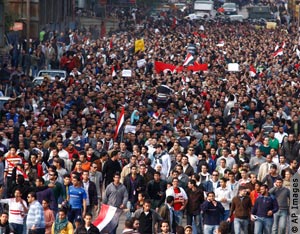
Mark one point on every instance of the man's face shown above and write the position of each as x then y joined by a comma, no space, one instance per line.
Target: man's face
85,175
67,180
134,170
4,218
116,179
88,220
263,190
278,183
165,227
146,207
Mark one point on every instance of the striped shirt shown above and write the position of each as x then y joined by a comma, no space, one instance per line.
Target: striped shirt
35,215
10,163
16,210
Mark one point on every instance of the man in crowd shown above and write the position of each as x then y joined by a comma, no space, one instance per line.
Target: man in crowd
263,211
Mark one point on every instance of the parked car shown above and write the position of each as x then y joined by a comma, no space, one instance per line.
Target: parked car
230,8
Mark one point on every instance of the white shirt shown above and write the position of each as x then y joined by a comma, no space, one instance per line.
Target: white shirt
279,136
16,210
193,160
224,193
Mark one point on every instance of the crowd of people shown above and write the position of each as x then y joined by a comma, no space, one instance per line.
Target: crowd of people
215,146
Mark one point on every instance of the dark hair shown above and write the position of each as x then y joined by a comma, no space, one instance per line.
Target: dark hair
164,221
179,230
88,214
32,194
193,182
169,199
41,179
46,200
4,213
66,175
223,227
223,179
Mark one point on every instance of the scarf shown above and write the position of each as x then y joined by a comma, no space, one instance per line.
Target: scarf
60,225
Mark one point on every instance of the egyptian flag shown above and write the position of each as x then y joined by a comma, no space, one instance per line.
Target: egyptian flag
188,60
252,71
108,218
120,122
163,67
113,72
278,53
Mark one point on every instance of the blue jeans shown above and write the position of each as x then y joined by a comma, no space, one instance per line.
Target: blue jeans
18,228
197,224
240,226
225,215
210,229
280,222
178,216
263,225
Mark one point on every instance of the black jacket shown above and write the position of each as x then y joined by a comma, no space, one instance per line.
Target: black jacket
92,230
134,187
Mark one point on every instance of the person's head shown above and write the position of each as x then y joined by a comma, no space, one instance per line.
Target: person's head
85,175
116,178
223,182
156,175
175,182
147,205
192,184
188,229
88,219
133,169
170,200
273,169
135,223
279,182
257,186
264,189
242,191
184,160
253,178
294,164
164,226
215,175
133,160
141,196
4,218
75,180
287,175
179,169
31,197
244,174
45,204
222,163
18,193
223,228
39,181
231,176
210,196
62,214
204,168
67,179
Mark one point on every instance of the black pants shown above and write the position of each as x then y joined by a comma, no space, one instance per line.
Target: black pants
37,231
